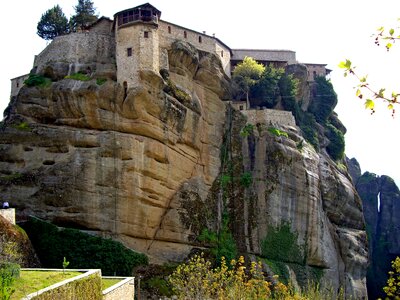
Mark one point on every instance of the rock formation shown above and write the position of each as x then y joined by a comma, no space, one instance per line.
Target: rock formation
154,165
381,203
15,246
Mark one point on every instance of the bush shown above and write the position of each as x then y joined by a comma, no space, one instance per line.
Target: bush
8,273
81,250
37,80
392,289
336,144
246,179
247,130
78,76
23,126
221,244
280,244
197,280
308,126
324,101
288,86
277,132
101,81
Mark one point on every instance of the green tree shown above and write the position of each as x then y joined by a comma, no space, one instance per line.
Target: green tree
52,23
85,14
266,90
246,74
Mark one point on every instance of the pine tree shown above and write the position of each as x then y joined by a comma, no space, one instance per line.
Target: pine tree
52,23
85,14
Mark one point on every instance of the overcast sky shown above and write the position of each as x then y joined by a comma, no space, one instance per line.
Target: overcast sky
319,32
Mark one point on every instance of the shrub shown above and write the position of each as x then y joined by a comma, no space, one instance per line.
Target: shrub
221,244
281,244
392,289
247,130
23,126
225,180
336,144
277,132
83,251
246,179
8,273
37,80
288,86
308,126
196,279
101,81
78,76
324,101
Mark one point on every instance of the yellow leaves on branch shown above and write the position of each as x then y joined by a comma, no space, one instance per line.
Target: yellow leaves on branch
389,37
392,289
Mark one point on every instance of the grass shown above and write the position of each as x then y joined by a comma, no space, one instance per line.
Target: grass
32,281
107,282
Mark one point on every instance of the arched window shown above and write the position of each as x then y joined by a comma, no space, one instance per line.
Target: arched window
169,29
185,34
199,38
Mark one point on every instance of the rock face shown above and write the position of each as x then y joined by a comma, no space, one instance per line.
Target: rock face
155,165
381,203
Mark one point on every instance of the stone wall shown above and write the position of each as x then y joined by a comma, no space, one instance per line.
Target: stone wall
143,40
123,290
265,55
269,116
170,32
78,48
84,286
315,70
102,26
8,214
17,83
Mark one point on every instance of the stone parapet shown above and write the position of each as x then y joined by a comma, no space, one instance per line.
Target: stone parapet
123,290
8,214
269,116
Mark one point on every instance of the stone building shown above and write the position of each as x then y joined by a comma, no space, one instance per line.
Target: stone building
137,39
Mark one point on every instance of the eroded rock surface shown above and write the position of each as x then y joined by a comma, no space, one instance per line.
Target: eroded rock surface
146,166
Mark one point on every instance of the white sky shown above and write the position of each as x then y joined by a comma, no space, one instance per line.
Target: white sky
319,31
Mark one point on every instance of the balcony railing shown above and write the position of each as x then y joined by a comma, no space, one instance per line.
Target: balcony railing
141,16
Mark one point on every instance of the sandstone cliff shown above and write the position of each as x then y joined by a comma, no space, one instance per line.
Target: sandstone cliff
381,200
155,165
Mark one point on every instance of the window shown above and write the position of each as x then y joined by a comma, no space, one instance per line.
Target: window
127,17
185,34
222,53
146,34
199,39
129,51
241,107
169,29
17,84
125,89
